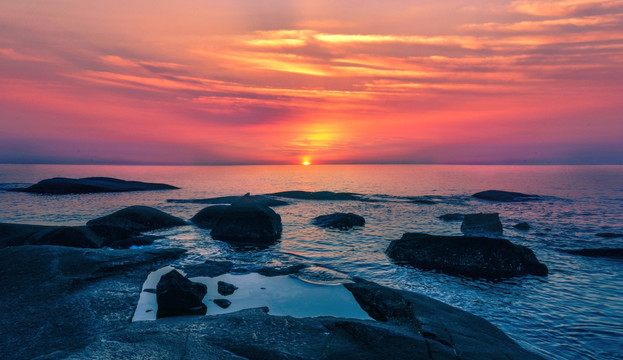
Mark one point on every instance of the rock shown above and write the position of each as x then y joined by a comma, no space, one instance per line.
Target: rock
61,186
130,222
210,268
248,222
66,298
609,235
476,257
319,195
207,217
72,236
616,253
177,295
262,199
522,226
452,217
421,200
142,240
77,303
342,221
283,270
504,196
225,288
482,224
222,303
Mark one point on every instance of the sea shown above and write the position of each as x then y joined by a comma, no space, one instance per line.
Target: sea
576,312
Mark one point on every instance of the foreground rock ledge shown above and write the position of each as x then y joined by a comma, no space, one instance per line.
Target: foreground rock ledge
76,303
477,257
63,186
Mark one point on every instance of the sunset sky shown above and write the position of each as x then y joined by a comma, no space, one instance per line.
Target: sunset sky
254,82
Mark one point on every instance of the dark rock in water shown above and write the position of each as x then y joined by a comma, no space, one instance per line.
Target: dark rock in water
177,295
262,199
210,268
504,196
207,217
452,217
609,235
278,271
616,253
342,221
421,200
67,298
225,288
248,222
73,236
222,303
522,226
61,186
87,297
319,195
132,221
477,257
127,243
482,224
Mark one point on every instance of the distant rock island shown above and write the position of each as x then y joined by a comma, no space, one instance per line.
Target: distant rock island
504,196
63,186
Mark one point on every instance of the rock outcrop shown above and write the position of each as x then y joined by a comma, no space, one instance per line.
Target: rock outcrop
609,235
262,199
319,195
342,221
504,196
225,288
62,186
522,226
248,222
130,222
452,217
481,224
177,295
207,217
73,236
476,257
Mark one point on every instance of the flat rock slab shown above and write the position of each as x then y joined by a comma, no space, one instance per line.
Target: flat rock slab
262,199
321,195
342,221
62,186
505,196
477,257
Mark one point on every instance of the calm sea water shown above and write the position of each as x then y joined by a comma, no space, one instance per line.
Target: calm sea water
574,313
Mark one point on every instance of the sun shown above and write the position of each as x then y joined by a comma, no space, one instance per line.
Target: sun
306,163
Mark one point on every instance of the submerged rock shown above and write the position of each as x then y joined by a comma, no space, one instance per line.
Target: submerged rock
477,257
342,221
319,195
222,303
522,226
421,200
132,221
452,217
209,216
210,268
61,186
248,222
482,224
616,253
177,295
504,196
609,235
262,199
225,288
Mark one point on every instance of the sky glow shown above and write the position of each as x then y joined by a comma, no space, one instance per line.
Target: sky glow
282,82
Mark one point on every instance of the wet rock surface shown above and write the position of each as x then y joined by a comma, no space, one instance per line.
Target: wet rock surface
222,303
88,297
176,295
481,224
505,196
522,226
209,216
72,236
248,222
130,222
476,257
62,186
452,217
342,221
225,288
